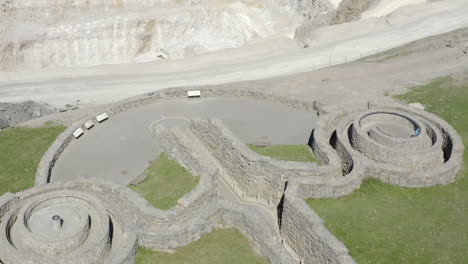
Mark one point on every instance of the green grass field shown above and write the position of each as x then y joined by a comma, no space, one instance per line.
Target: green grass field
381,223
287,152
222,246
21,149
167,182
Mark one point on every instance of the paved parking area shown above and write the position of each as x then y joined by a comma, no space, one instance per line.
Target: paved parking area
121,148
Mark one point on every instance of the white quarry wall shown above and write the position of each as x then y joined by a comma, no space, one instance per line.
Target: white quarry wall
137,38
38,34
320,12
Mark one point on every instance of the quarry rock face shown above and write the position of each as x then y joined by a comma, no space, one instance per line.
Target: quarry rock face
38,34
350,10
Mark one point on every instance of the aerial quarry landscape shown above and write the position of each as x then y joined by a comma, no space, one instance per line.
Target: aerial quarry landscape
233,131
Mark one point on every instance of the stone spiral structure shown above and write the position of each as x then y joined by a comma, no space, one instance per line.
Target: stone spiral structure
105,223
393,142
389,141
386,140
83,229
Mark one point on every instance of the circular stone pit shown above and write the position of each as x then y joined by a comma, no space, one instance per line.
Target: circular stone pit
63,226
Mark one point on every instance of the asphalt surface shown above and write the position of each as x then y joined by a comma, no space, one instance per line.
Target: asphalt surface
122,147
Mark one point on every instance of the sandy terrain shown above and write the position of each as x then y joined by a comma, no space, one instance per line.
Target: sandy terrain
385,7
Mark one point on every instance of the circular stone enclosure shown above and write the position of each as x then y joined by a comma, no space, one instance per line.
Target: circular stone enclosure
391,124
397,138
87,231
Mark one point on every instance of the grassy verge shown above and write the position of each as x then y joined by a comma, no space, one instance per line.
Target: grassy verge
166,183
21,149
287,152
220,246
387,55
426,45
381,223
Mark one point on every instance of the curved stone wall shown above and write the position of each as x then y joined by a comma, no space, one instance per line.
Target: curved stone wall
86,231
393,142
304,234
109,222
386,140
353,143
352,134
53,153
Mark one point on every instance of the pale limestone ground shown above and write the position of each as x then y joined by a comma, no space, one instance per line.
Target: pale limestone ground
267,59
365,79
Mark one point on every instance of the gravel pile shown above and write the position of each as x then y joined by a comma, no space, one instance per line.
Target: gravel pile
15,113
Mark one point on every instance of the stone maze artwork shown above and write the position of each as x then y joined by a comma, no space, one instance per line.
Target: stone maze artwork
87,221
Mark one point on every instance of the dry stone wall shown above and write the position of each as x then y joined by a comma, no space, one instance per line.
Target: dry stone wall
257,177
254,180
436,160
44,169
52,154
170,143
335,134
383,139
301,227
187,148
120,221
251,223
99,237
305,232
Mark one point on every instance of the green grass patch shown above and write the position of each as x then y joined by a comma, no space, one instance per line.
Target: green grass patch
446,97
382,223
387,55
224,246
21,150
287,152
166,183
